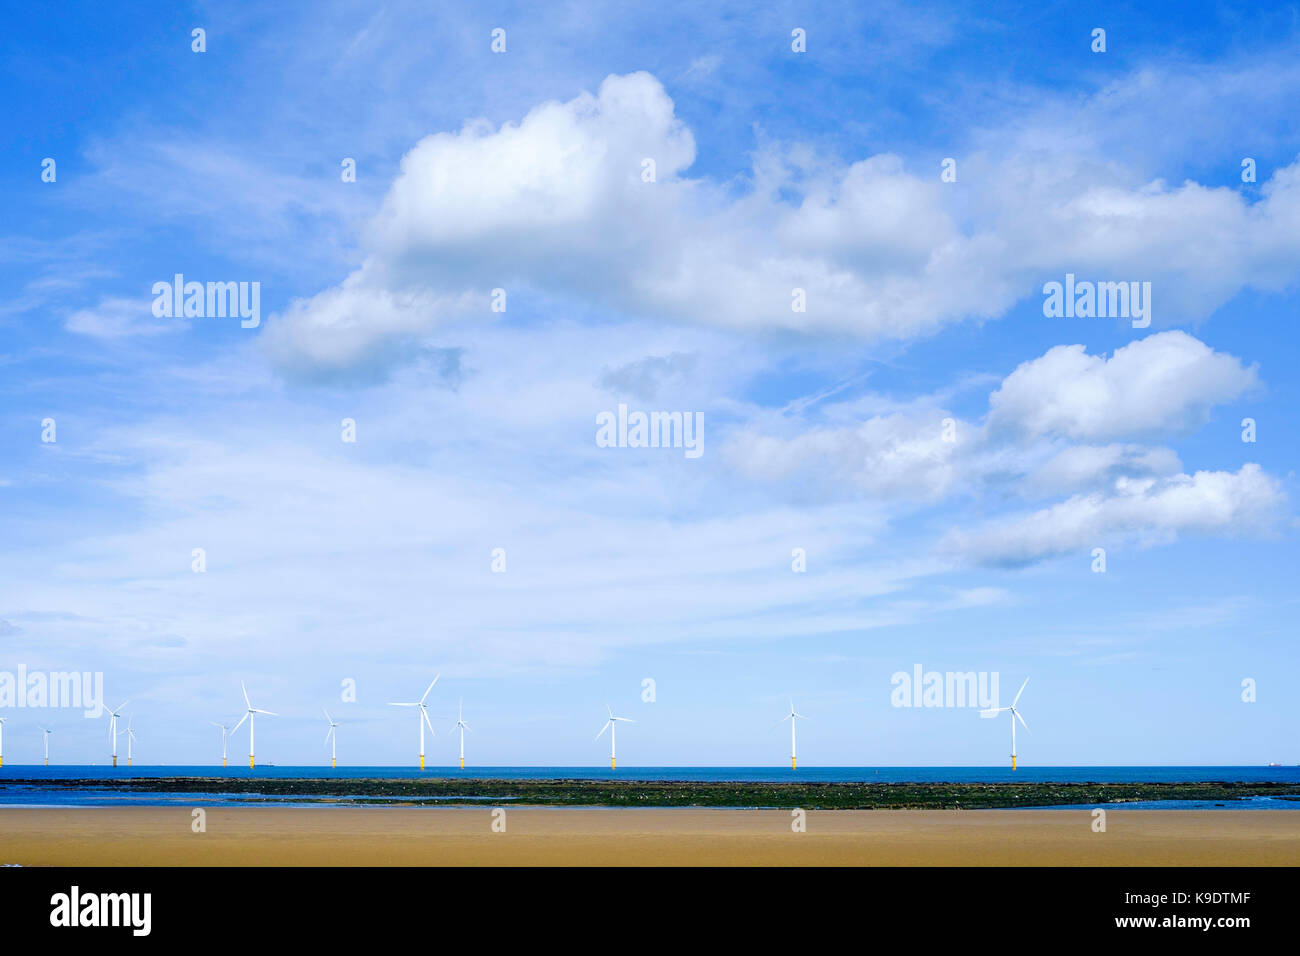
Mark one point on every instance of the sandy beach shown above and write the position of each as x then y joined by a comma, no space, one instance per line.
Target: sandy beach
152,836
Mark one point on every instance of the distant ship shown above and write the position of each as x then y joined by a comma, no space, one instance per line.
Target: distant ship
1274,763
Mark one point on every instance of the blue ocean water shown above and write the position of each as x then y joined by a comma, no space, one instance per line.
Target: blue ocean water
16,795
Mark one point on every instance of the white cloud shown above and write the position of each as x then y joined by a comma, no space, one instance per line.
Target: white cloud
1087,466
1165,381
354,328
1147,510
888,456
115,318
557,203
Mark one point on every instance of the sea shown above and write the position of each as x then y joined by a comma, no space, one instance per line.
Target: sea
32,795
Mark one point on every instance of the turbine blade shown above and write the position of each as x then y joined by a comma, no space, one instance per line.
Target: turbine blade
603,729
1019,692
993,711
327,715
327,734
1022,720
245,690
269,713
425,714
431,683
392,703
241,720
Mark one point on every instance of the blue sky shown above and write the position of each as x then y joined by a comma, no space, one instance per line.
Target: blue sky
823,430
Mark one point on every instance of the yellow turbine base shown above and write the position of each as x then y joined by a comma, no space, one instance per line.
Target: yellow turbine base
462,763
250,761
334,763
1013,761
223,761
421,761
793,765
128,761
114,760
47,761
2,761
611,763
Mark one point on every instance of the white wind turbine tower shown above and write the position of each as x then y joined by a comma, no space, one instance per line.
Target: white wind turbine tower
1015,715
47,744
2,740
424,715
130,738
249,715
792,717
332,738
112,727
462,727
609,725
225,732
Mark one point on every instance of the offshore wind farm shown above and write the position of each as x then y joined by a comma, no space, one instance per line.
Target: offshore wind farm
1151,787
1273,772
878,813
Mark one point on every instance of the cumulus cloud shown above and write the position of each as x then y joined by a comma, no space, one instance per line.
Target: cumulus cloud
1148,510
356,329
559,202
1027,444
889,456
1165,381
1087,466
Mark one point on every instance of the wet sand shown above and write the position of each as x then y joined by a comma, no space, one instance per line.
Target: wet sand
155,836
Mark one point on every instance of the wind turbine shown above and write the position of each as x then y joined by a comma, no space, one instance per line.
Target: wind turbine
460,723
130,738
424,715
225,731
112,727
47,744
609,725
1015,715
249,715
792,717
332,738
2,740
